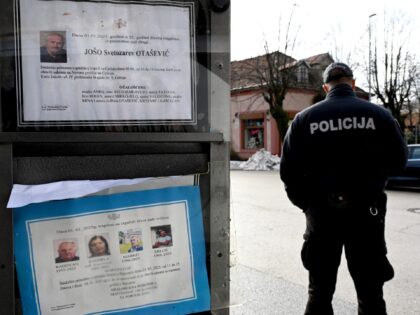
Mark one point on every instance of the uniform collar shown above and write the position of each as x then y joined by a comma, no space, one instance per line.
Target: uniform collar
341,90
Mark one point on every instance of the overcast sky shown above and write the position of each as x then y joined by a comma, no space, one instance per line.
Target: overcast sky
322,23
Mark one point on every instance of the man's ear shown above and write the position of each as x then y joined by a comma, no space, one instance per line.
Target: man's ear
353,84
326,88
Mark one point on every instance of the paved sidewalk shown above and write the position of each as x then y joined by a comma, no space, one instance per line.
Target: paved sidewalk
267,276
254,292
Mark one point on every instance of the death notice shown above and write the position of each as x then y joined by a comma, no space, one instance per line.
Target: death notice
127,259
87,63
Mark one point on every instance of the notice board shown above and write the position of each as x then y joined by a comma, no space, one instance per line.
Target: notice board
130,253
87,63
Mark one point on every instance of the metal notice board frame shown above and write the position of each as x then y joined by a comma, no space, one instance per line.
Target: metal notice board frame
35,155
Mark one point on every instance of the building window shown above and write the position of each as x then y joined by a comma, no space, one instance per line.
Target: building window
302,74
253,133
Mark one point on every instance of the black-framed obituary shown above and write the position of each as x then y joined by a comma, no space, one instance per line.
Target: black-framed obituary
104,64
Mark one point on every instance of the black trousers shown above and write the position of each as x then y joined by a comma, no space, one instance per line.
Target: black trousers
358,227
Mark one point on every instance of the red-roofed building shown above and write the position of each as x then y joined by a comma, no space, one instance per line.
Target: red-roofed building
252,127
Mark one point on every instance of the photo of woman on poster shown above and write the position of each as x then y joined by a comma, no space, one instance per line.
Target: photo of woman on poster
98,246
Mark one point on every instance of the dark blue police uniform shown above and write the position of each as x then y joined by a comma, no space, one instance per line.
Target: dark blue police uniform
336,157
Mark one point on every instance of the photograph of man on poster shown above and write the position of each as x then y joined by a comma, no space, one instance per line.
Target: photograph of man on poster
67,251
52,47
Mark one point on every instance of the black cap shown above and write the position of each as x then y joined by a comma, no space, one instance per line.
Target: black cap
336,71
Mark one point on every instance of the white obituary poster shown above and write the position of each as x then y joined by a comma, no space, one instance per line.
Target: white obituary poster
84,63
131,253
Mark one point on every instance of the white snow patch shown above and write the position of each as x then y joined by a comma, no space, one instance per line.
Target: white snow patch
260,161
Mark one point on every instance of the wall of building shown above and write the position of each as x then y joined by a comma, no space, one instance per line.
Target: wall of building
250,105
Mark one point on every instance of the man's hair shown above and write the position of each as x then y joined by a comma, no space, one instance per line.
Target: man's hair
55,34
72,243
67,242
336,71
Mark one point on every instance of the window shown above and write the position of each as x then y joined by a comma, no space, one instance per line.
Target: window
302,74
253,133
415,153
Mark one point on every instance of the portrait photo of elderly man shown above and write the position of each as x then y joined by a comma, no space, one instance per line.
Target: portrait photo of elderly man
52,47
67,251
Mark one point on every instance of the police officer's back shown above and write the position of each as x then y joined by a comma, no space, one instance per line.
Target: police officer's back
336,157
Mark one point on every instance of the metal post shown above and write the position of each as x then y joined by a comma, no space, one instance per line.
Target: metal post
7,298
219,228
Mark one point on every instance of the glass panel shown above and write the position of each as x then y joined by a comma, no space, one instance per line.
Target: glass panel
415,153
254,122
104,66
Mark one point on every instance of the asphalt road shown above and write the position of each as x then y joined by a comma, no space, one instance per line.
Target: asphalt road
267,276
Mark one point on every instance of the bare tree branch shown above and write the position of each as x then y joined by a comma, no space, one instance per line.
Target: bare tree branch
394,74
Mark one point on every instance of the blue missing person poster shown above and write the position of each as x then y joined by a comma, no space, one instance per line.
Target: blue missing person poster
130,253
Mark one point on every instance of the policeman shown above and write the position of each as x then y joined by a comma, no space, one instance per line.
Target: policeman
336,157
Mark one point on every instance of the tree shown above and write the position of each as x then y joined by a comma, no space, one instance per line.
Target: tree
413,113
394,68
275,81
413,106
274,73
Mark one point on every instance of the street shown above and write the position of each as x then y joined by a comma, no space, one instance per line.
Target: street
267,276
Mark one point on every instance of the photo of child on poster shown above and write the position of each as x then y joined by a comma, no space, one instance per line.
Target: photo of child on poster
161,236
130,241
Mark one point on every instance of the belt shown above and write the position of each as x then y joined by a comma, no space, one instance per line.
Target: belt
341,200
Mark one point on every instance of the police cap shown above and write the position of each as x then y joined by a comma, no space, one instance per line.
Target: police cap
336,71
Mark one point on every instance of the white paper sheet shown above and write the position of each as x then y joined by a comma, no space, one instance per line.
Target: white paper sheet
126,63
22,195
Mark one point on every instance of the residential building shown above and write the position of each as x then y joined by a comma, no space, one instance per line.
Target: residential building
252,127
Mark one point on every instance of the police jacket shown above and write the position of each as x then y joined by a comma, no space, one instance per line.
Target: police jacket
341,144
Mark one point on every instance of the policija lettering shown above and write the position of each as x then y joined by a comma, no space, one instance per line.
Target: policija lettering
342,124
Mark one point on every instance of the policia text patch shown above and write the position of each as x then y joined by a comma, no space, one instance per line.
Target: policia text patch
342,124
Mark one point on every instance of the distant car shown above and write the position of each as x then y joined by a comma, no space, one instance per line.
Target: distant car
410,177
